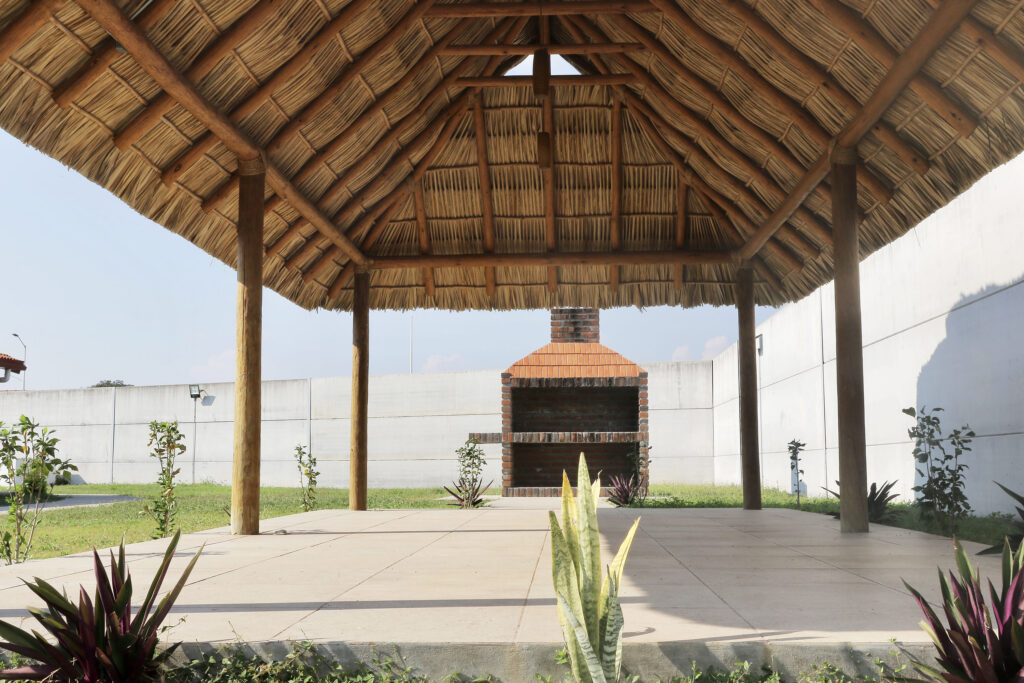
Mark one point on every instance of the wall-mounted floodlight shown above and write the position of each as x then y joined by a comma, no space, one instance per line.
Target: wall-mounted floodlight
194,391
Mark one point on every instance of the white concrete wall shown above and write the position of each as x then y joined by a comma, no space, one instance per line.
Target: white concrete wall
416,422
943,319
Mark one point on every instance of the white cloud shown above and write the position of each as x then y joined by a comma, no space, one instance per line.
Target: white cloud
681,353
714,346
442,363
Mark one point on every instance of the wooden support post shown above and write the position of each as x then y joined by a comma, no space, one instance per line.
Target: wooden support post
360,390
245,470
749,453
853,508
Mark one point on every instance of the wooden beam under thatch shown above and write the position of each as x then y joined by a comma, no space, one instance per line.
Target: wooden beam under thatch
423,234
529,49
327,33
616,219
33,18
544,8
522,81
934,33
548,178
486,204
120,27
862,33
682,232
556,258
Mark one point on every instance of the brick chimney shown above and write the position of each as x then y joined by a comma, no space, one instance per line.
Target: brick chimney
575,325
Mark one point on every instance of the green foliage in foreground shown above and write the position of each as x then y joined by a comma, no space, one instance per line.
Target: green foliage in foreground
63,531
990,529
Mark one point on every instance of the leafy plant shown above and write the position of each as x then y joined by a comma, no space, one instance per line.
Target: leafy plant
98,639
878,501
942,494
308,475
167,443
981,642
28,456
468,490
795,447
588,606
1016,538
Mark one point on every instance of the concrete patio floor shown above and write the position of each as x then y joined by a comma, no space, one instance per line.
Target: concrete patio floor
718,585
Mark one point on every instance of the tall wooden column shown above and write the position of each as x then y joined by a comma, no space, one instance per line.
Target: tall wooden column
245,470
853,507
749,452
360,390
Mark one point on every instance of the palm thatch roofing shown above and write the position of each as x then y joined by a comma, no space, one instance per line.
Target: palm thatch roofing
696,122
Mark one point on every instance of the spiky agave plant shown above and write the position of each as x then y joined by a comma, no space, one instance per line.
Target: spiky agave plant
97,639
981,642
588,599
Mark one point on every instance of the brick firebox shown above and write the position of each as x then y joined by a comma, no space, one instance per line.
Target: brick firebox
569,396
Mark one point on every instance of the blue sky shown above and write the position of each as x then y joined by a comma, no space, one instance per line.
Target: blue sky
99,292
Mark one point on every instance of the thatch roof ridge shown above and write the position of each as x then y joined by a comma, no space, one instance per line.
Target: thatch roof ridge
358,105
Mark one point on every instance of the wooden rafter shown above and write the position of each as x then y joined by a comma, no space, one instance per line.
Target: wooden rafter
716,141
136,127
939,27
1006,55
682,234
529,49
557,258
423,234
486,205
350,74
104,54
824,81
135,42
526,81
293,231
327,33
33,18
724,221
616,190
541,8
548,170
862,33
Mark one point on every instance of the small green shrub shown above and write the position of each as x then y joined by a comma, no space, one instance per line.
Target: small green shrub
98,639
167,444
795,447
468,490
942,494
308,475
28,456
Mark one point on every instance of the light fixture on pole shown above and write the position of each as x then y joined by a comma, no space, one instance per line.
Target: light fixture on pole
24,358
195,393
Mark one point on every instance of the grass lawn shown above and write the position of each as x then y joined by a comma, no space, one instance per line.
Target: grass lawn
989,530
200,506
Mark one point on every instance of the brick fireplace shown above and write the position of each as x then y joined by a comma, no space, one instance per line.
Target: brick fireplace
569,396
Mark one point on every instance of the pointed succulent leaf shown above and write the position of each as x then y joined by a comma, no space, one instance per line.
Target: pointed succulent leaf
591,576
611,635
589,656
147,604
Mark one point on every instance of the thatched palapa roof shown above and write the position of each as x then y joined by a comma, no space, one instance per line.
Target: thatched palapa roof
698,134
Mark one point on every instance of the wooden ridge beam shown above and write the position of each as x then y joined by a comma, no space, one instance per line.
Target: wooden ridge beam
104,54
542,8
644,79
524,81
21,29
222,46
557,258
869,40
616,190
423,233
135,42
512,50
548,177
939,27
346,77
327,33
825,82
486,203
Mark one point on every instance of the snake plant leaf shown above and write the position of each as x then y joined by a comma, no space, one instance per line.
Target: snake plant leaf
570,530
590,549
589,656
567,589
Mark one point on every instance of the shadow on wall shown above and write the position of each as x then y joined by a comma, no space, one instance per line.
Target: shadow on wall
976,375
